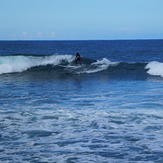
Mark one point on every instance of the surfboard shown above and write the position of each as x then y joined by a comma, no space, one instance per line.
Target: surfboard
71,66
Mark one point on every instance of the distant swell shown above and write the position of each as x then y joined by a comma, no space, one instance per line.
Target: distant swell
65,63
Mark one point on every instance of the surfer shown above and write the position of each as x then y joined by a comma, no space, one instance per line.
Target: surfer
78,58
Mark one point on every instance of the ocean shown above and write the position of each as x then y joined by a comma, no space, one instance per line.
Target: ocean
109,109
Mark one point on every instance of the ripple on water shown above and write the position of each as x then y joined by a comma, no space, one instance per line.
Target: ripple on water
38,133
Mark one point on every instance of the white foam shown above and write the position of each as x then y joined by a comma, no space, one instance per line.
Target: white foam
10,64
99,65
155,68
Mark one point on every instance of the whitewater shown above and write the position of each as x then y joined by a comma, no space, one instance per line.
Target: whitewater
109,109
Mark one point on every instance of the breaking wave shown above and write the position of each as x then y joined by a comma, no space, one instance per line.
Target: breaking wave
155,68
12,64
65,64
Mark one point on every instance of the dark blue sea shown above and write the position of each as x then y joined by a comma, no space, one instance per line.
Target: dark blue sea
109,109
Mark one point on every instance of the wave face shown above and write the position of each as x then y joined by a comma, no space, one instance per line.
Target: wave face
65,64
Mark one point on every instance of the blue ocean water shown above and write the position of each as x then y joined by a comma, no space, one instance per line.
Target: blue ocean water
107,110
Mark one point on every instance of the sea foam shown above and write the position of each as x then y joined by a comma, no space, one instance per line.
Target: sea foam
155,68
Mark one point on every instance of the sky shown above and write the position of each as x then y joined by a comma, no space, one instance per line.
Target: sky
81,19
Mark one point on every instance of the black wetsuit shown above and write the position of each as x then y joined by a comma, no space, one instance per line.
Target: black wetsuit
78,59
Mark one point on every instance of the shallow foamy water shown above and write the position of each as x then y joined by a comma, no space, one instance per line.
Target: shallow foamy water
90,136
121,122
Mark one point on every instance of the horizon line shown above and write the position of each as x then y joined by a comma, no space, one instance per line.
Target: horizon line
84,39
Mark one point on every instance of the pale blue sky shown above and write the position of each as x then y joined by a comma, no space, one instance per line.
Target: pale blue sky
81,19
